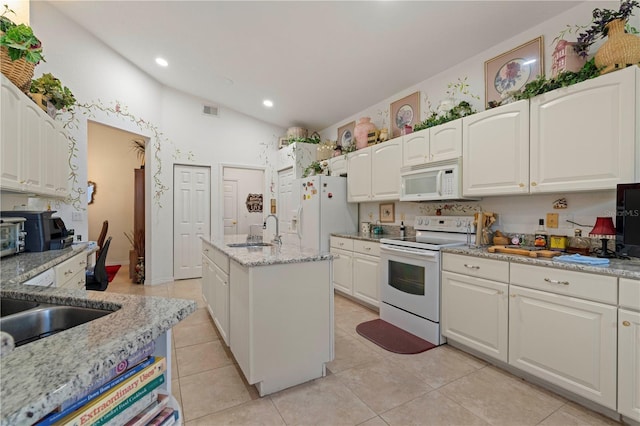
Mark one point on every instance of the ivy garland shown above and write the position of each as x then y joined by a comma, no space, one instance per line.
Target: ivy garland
121,111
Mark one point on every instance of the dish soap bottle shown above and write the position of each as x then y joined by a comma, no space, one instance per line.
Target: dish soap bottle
541,239
402,229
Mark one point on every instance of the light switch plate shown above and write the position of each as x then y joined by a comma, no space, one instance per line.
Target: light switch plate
552,220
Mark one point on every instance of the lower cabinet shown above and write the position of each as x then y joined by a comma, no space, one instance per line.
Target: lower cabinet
629,349
215,287
356,268
72,272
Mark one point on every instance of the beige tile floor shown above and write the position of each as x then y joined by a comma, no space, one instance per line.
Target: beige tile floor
366,385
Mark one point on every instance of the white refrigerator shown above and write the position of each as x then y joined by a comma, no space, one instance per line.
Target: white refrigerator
323,210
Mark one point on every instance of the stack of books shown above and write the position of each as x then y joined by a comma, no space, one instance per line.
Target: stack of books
130,395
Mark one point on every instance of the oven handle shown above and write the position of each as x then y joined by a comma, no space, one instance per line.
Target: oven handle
408,250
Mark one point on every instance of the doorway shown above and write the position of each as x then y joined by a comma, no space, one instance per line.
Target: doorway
191,218
241,186
230,206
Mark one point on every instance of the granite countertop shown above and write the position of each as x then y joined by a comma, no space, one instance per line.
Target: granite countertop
616,267
365,237
267,255
40,375
21,267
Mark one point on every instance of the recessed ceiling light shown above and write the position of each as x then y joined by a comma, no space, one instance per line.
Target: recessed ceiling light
162,62
267,103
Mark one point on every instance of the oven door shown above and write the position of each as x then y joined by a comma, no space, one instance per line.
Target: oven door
410,280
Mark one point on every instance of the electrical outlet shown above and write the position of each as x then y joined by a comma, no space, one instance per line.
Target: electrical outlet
552,220
76,216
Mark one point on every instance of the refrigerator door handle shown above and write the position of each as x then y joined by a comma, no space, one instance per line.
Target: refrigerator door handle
299,225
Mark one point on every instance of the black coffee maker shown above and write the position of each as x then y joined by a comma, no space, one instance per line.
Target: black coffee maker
44,232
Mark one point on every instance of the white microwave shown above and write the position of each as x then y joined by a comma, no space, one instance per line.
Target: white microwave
440,180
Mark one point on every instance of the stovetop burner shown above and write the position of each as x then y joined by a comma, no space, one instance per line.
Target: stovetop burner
435,232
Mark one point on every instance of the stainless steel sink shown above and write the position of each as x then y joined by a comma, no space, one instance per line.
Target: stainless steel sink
13,306
46,320
249,245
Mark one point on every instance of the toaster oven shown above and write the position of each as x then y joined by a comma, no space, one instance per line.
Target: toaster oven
12,235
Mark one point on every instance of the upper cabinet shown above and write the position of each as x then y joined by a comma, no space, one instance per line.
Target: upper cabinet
297,156
34,147
495,145
583,137
437,143
374,172
338,165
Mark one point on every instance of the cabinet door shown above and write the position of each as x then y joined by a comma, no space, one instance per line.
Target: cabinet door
342,271
629,364
365,278
445,141
10,136
63,168
566,341
221,302
359,177
208,284
486,330
495,151
385,170
338,165
582,136
50,158
32,146
415,148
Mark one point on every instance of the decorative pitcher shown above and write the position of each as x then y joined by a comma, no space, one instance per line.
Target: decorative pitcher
362,130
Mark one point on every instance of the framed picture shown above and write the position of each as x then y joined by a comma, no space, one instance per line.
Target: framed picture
405,111
387,213
282,142
345,134
510,71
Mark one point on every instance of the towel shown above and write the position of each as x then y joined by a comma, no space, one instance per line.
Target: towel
585,260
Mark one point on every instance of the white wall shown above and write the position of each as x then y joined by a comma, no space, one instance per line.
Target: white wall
95,72
518,213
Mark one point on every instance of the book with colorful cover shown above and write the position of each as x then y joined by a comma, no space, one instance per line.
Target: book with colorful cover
100,406
116,371
150,412
131,406
57,415
165,414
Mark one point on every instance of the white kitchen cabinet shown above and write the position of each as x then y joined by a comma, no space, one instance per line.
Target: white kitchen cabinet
583,137
359,176
365,278
436,143
495,151
215,287
356,270
562,329
629,349
281,330
374,172
296,156
338,165
342,270
72,272
475,309
34,147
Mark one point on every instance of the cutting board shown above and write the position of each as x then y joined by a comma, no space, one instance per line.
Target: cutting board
523,252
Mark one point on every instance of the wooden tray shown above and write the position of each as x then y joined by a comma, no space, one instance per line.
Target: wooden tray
523,252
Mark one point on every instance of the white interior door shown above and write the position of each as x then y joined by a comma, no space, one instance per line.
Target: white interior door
287,206
230,206
191,219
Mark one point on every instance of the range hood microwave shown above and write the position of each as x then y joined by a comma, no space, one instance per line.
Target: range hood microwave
436,181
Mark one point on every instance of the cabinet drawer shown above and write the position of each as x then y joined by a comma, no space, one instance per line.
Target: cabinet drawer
70,267
221,260
496,270
366,247
571,283
207,250
630,293
78,281
342,243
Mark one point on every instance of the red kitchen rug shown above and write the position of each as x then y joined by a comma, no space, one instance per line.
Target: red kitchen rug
112,271
392,338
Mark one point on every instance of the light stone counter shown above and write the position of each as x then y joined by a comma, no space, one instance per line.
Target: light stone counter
35,378
267,255
616,267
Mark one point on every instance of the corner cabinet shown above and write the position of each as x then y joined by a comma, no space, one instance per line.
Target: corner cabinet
34,147
583,137
374,172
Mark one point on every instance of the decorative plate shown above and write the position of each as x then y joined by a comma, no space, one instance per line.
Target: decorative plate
512,76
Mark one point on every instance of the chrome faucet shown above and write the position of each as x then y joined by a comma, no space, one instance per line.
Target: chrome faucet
276,238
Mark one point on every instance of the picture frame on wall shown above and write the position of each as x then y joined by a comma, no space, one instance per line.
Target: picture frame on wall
405,112
282,142
345,134
512,70
387,213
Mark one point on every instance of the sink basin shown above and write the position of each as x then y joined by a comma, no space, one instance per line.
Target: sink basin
249,245
46,320
13,306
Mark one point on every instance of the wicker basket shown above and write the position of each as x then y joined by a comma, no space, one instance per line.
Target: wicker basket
620,50
19,72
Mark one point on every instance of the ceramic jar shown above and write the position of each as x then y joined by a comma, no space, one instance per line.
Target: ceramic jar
362,130
619,50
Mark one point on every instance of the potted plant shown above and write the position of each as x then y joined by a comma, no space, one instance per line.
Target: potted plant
51,90
450,109
20,51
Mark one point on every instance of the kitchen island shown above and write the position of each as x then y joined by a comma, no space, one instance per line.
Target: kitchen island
38,376
273,306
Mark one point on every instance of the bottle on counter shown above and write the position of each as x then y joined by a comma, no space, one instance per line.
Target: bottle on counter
402,229
541,238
